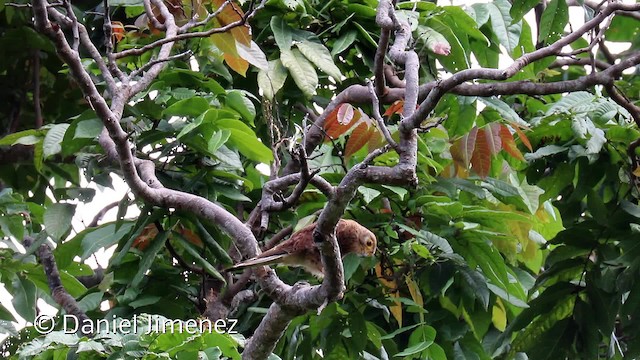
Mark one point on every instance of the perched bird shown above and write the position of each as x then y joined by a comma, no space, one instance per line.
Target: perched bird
300,250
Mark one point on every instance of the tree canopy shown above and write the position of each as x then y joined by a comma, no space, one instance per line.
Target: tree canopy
491,148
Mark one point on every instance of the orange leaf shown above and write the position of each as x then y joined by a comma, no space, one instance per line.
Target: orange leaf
395,108
190,236
509,144
481,159
117,31
524,139
225,42
396,308
230,14
375,141
144,239
414,290
492,131
237,63
358,138
462,149
334,128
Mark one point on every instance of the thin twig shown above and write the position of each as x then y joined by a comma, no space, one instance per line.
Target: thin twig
158,61
376,115
74,25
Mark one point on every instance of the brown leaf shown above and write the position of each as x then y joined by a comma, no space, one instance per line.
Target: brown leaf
358,138
117,31
334,128
190,236
492,132
481,159
230,14
462,149
509,144
144,239
396,308
376,140
524,139
395,108
237,63
225,42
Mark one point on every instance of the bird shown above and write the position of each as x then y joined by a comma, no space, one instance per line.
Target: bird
300,250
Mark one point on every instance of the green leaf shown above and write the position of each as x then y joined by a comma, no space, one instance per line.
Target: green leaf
343,42
271,81
282,33
301,70
191,250
15,138
149,256
320,57
508,34
503,109
554,19
253,54
90,302
192,107
368,193
57,219
92,239
88,129
24,298
240,103
53,140
218,139
245,140
521,8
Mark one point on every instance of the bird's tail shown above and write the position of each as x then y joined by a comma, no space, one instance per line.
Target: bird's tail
257,261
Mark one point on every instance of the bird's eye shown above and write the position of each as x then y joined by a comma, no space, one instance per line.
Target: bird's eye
369,243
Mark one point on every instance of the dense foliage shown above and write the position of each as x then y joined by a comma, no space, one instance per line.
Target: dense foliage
520,239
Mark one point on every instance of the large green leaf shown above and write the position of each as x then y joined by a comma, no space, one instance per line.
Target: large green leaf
57,219
52,143
188,107
554,19
320,57
93,239
271,81
282,33
24,298
301,71
507,33
245,140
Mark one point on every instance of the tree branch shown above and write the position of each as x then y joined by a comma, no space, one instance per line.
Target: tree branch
58,292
